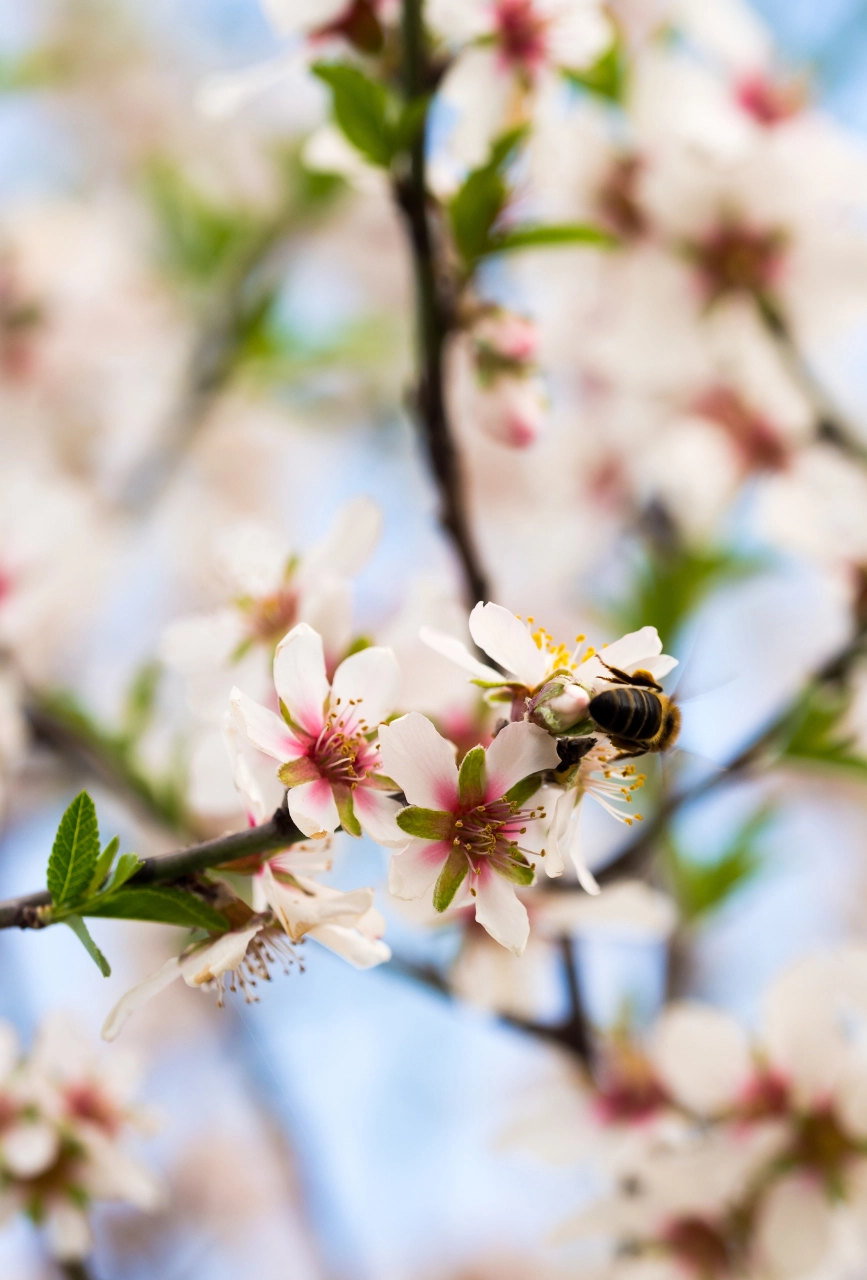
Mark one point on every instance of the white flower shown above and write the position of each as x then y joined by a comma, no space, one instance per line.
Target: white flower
470,841
29,1140
329,759
512,50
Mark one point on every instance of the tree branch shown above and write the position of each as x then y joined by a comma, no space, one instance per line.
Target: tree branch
433,324
161,868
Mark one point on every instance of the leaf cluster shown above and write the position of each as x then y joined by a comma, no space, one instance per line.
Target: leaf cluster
86,881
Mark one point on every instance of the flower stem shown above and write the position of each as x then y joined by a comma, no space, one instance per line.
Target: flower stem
163,868
77,1270
433,323
831,426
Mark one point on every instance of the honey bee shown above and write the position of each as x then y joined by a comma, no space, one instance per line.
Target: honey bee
635,714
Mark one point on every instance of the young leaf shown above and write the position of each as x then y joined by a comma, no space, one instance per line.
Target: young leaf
607,76
471,780
480,200
450,879
103,862
79,928
427,824
75,852
702,887
361,109
530,236
127,865
161,904
817,735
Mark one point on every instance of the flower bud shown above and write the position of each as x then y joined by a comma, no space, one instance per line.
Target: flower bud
511,409
559,705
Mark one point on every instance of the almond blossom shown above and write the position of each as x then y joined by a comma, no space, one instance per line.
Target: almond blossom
473,836
508,401
325,739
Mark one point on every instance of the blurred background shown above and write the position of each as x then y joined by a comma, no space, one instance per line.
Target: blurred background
205,328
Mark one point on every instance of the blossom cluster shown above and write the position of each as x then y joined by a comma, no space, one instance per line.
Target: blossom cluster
64,1115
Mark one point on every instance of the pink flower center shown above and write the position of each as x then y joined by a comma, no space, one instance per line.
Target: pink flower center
87,1102
755,438
769,101
270,617
521,34
736,258
358,25
493,831
342,753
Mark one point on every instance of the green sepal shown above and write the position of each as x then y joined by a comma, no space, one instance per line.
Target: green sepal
79,928
450,879
520,793
534,236
346,811
161,904
75,852
472,778
427,824
516,869
103,862
294,772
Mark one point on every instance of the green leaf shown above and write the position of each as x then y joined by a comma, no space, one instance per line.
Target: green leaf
472,778
199,237
531,236
361,109
523,790
79,928
140,700
480,200
75,852
127,865
162,904
103,862
702,887
450,879
427,824
607,77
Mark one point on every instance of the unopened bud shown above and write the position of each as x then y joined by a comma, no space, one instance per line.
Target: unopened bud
559,705
511,409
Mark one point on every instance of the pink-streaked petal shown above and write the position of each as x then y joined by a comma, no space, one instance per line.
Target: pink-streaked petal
420,761
370,679
507,640
499,910
377,813
352,946
312,808
300,679
517,751
456,651
139,995
264,728
413,871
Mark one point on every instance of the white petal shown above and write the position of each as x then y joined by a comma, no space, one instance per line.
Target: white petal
481,92
456,651
29,1148
507,640
702,1056
293,17
566,834
242,775
313,809
222,94
850,1101
139,995
517,751
361,952
420,761
413,872
326,606
264,728
377,813
9,1049
794,1227
218,957
370,678
299,676
632,649
67,1231
500,911
348,544
300,909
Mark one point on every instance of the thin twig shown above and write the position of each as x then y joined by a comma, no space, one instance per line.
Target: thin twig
161,868
433,324
75,1270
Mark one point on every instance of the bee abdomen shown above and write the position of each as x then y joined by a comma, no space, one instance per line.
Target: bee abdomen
628,712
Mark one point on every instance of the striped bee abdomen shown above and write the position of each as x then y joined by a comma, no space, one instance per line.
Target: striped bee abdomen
628,712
